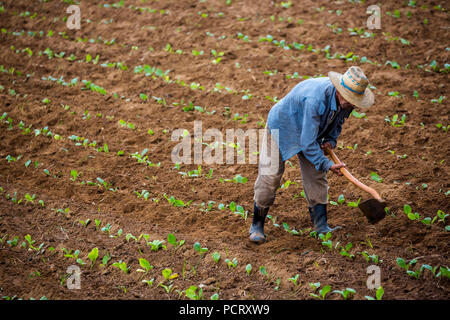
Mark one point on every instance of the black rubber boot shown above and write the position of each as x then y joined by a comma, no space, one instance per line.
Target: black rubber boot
257,228
318,215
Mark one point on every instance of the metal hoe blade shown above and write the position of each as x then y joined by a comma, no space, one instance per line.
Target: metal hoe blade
373,210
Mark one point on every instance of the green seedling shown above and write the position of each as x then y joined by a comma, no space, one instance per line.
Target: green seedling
157,244
145,265
325,240
30,242
105,259
169,275
207,208
442,216
438,100
199,249
119,233
93,255
97,224
149,282
412,216
375,177
128,125
378,296
194,173
106,185
144,194
248,269
30,198
441,126
231,263
69,254
345,293
107,228
374,258
74,175
322,292
215,256
354,204
176,202
402,263
345,251
130,236
173,241
294,280
13,242
263,271
192,294
340,200
395,122
122,266
215,296
444,271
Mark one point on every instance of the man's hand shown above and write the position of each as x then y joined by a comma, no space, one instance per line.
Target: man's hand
335,168
326,145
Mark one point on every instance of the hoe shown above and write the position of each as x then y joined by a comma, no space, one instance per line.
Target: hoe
373,209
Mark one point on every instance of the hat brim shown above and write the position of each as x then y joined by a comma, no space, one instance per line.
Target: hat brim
360,100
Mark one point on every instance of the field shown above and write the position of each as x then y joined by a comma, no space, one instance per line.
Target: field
87,178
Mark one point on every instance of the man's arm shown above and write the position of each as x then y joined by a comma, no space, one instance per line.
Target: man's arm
308,140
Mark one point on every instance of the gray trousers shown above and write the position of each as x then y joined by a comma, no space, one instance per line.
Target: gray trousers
271,169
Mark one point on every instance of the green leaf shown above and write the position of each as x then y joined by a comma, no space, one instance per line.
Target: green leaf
412,216
407,209
145,264
323,292
93,255
248,268
380,293
216,256
375,177
401,262
172,239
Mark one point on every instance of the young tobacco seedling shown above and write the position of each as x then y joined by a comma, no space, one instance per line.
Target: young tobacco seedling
122,266
231,263
145,265
157,244
192,294
93,255
395,122
374,258
248,269
173,241
322,292
325,240
344,251
199,249
215,256
379,294
345,293
294,280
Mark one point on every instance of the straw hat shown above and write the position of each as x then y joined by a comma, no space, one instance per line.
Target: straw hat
352,85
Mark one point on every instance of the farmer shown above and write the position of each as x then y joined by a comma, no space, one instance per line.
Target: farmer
306,121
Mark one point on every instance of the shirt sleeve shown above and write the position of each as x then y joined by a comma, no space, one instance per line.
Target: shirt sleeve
308,139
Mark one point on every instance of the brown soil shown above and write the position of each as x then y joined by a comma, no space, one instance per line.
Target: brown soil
25,273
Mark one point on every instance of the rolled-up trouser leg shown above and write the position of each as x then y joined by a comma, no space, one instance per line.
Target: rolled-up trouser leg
314,182
270,171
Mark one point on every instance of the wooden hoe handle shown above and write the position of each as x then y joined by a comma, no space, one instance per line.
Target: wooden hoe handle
352,179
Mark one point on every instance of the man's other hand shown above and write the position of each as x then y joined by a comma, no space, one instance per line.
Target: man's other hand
326,145
335,168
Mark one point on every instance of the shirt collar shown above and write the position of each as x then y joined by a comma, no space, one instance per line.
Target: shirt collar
333,99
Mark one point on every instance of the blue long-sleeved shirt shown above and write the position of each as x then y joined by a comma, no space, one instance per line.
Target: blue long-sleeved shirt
307,117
